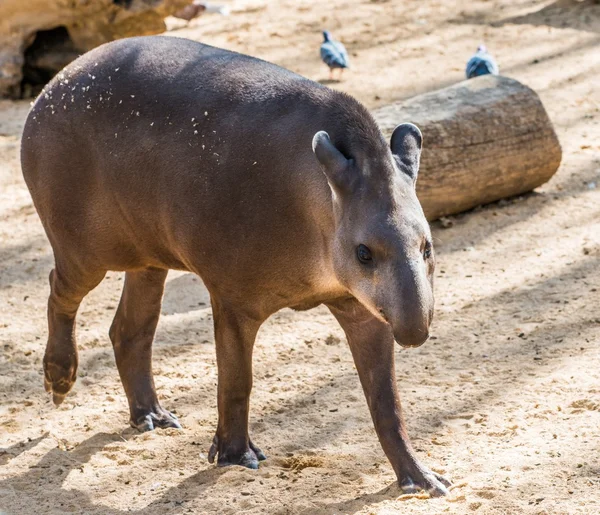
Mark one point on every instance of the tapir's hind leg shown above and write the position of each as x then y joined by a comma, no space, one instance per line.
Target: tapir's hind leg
69,284
132,333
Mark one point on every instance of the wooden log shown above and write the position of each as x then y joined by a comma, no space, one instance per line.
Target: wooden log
483,139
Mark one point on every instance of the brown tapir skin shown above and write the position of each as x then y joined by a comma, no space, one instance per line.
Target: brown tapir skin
155,153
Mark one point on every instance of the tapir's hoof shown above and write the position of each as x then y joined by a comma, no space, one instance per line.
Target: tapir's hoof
158,418
248,458
58,382
425,480
57,399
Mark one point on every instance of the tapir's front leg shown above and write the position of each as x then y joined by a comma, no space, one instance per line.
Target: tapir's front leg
235,333
372,345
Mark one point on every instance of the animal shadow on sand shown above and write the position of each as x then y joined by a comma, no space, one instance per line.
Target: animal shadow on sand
54,467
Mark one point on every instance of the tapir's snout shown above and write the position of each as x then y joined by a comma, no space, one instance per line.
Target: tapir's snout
410,311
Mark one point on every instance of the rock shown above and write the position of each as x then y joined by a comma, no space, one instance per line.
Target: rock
39,37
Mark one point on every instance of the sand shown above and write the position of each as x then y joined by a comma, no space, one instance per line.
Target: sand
505,397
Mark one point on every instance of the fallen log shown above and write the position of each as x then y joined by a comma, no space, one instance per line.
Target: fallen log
484,139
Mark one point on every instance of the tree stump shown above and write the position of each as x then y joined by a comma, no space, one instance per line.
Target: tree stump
39,37
483,139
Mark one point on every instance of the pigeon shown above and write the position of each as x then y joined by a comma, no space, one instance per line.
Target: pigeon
334,55
481,63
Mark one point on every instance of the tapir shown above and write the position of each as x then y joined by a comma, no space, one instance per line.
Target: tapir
156,153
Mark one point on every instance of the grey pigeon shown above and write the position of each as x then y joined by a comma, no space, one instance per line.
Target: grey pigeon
481,63
333,54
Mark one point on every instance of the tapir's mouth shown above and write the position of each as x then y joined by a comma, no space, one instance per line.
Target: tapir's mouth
382,314
410,345
410,338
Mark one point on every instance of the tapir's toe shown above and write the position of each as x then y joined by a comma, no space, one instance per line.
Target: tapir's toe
57,398
161,418
58,380
425,480
259,454
58,389
447,483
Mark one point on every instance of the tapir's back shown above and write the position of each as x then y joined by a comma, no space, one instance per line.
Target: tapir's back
165,152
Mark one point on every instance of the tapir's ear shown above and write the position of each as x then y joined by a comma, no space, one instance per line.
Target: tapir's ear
406,144
334,163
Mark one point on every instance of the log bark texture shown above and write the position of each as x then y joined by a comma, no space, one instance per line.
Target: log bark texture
483,140
83,25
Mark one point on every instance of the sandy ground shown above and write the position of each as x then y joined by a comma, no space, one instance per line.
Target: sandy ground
505,397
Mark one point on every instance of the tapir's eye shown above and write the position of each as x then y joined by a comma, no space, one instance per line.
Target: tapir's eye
363,254
427,250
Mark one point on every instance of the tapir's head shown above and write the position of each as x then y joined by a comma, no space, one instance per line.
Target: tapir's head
382,249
